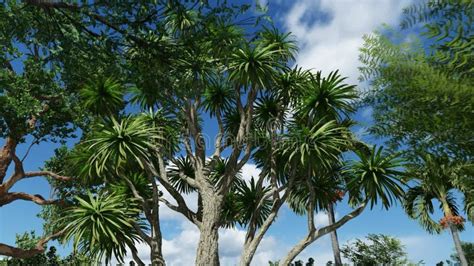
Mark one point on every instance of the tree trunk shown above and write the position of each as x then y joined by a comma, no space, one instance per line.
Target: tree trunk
457,245
136,258
310,238
250,247
208,246
6,156
454,231
334,240
314,235
156,254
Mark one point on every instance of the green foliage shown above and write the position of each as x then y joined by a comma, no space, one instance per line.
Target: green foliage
328,97
103,96
434,178
377,176
254,66
218,97
116,143
377,249
49,258
101,226
416,105
449,26
26,241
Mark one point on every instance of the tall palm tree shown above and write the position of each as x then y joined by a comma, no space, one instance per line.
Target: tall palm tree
434,181
328,98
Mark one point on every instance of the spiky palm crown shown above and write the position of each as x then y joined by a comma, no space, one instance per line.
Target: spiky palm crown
327,97
219,97
284,43
103,96
101,226
270,113
254,65
118,142
376,176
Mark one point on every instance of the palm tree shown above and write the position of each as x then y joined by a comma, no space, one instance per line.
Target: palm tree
328,98
122,149
374,177
434,181
102,226
103,96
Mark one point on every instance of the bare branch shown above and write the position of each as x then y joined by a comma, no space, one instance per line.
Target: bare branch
316,234
47,173
40,247
38,199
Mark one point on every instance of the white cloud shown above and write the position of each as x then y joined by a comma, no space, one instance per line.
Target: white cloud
333,44
181,249
250,170
321,219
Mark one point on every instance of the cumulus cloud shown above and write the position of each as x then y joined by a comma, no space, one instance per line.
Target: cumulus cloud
321,219
330,32
181,249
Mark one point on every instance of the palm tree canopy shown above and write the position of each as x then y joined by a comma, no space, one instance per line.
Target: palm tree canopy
103,96
328,96
101,226
116,143
376,177
435,177
254,65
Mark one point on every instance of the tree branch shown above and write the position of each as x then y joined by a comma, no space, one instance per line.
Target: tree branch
6,156
314,235
15,252
38,199
47,173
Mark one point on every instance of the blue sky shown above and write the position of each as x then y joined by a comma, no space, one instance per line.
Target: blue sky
329,33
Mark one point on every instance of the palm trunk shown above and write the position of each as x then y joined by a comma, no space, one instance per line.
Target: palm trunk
208,246
454,231
457,245
314,234
156,254
334,240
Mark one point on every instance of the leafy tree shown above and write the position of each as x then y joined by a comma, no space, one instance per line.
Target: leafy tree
449,23
421,93
416,105
376,250
28,240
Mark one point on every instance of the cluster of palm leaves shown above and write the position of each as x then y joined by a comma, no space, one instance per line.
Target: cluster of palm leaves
300,133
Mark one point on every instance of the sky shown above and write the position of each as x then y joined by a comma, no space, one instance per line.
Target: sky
329,34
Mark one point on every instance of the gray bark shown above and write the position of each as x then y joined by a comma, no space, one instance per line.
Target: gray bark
313,235
334,239
457,245
136,258
208,247
250,247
